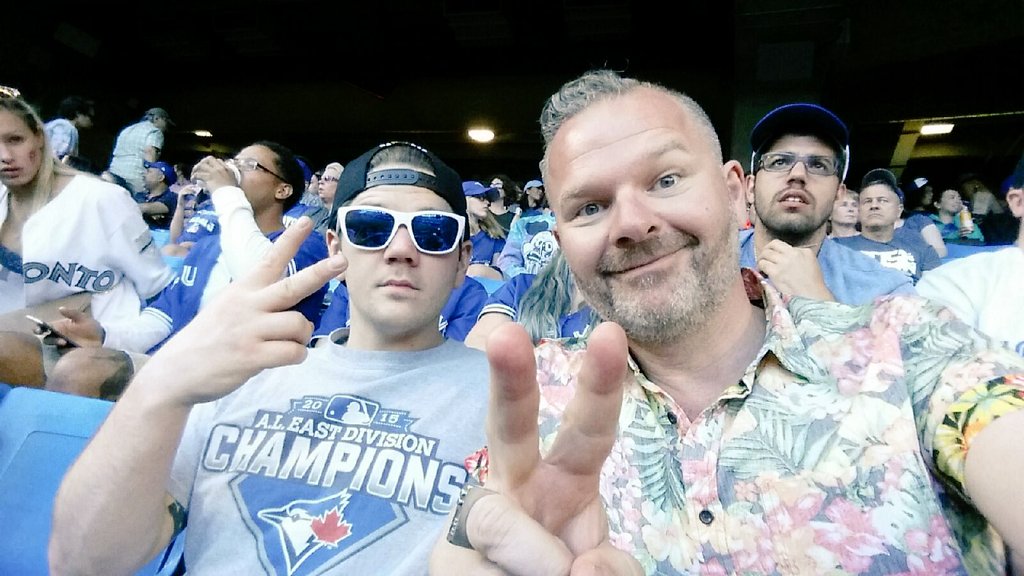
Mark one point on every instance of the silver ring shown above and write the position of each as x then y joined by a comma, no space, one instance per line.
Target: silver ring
469,496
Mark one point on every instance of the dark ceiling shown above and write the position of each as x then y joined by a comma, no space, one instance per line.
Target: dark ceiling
331,79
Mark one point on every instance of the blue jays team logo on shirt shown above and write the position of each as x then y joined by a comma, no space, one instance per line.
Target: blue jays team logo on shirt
329,477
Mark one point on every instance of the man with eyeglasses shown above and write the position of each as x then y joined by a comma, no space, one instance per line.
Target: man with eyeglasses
249,215
799,162
348,461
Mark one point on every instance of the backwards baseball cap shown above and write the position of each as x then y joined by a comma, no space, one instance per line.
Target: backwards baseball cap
800,118
169,174
884,177
358,177
474,188
159,113
533,184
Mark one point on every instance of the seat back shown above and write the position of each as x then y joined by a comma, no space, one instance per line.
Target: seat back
41,434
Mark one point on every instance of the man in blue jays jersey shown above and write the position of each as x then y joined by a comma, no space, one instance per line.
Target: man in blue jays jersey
251,217
290,460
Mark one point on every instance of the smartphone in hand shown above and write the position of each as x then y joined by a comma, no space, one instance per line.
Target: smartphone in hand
47,329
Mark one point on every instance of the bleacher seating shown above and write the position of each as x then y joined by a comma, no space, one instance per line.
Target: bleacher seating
954,251
41,434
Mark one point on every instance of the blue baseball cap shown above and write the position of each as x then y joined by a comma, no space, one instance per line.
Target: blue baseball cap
169,174
474,188
801,118
533,184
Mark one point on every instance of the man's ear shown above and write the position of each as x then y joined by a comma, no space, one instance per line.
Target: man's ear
841,191
333,242
465,255
1015,199
284,191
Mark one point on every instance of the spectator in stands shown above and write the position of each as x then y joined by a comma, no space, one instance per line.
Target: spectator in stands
138,143
506,208
548,304
357,451
1001,228
881,203
157,201
845,216
984,290
73,114
697,432
799,162
977,195
533,201
950,219
251,216
68,239
916,217
487,235
531,244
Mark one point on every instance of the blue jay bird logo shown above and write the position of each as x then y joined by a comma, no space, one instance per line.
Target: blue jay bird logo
306,526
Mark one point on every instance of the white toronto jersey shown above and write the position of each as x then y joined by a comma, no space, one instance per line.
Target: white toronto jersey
90,238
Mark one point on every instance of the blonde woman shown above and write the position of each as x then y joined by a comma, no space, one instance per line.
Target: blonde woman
67,238
485,232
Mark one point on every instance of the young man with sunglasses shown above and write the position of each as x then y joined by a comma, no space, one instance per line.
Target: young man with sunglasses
801,153
348,461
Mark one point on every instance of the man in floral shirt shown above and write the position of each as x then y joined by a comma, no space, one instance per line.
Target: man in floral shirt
713,425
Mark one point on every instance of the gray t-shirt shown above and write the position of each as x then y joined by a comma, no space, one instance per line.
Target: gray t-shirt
345,464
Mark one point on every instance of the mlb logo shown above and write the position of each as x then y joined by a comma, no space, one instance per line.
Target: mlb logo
351,410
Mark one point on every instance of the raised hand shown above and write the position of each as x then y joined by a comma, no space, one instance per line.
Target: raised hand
247,328
547,517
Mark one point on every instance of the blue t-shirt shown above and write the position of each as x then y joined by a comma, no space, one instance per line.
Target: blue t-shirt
161,221
457,317
909,253
852,277
486,248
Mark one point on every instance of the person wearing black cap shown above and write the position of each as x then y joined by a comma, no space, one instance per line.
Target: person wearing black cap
345,462
881,203
800,157
137,143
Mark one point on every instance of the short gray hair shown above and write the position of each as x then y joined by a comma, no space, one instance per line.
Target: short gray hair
595,86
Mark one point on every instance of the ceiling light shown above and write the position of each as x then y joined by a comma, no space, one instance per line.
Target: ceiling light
203,133
481,134
930,129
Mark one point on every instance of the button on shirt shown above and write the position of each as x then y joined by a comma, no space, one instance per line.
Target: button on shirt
820,460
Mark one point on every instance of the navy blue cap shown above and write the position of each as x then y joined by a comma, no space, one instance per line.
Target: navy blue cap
474,188
357,177
169,174
801,118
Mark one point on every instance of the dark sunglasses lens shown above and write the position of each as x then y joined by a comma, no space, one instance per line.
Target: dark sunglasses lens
435,232
369,228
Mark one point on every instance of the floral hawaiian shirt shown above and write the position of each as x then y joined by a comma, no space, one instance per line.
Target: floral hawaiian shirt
841,450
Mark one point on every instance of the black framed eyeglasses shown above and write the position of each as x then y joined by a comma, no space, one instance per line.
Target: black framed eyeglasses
250,164
373,228
785,161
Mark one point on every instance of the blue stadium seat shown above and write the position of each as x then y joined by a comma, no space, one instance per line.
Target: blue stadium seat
954,251
41,434
490,284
